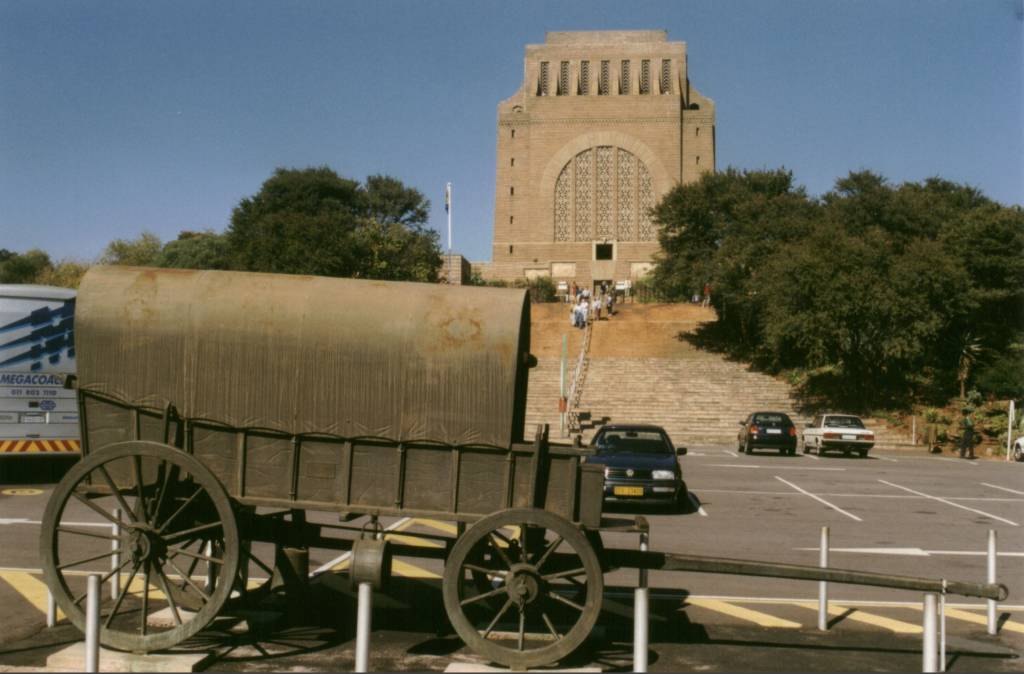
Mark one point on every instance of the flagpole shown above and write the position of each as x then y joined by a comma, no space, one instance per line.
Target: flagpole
448,204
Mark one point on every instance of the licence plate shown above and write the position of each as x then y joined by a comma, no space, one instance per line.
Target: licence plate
849,437
628,491
774,431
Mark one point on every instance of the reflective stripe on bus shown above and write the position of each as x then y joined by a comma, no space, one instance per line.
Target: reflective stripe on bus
38,446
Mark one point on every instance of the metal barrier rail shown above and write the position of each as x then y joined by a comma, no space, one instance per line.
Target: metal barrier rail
579,373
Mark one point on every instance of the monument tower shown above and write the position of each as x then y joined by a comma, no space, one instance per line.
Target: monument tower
603,125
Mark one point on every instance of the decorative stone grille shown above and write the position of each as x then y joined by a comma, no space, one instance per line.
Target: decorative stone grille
627,188
543,84
645,76
563,232
624,78
563,79
666,76
584,195
604,193
602,84
645,197
584,77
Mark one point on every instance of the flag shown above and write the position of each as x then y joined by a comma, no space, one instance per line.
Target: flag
447,197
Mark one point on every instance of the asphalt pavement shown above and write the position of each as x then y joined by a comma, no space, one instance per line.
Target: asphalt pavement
894,512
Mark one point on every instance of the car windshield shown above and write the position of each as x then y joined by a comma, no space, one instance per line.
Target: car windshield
770,419
843,422
632,442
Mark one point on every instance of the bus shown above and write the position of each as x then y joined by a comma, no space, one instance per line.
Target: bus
38,415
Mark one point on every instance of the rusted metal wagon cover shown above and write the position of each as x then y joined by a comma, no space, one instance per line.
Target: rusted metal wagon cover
307,354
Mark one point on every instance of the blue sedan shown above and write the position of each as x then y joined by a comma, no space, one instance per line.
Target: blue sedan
640,465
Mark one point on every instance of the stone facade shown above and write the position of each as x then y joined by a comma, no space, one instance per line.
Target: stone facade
603,125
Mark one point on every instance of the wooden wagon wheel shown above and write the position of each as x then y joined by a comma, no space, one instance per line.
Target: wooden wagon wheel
173,510
545,578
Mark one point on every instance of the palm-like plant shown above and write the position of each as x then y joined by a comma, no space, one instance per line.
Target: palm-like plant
969,350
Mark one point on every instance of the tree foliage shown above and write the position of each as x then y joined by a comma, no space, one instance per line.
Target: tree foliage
196,250
882,292
143,251
313,221
25,267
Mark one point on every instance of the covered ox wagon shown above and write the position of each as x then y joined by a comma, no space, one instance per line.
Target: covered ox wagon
217,408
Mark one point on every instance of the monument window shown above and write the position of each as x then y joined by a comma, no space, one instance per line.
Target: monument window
511,191
645,76
584,78
696,131
624,77
543,83
604,251
510,249
666,76
602,82
511,219
512,162
513,133
603,193
563,78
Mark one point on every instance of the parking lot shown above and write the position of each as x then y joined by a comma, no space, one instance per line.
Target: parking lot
894,512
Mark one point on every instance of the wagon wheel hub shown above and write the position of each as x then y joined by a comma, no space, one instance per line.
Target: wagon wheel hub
145,546
524,584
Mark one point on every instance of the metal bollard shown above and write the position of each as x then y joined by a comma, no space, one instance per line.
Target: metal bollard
363,615
822,585
51,609
929,649
641,602
992,627
115,559
92,624
942,628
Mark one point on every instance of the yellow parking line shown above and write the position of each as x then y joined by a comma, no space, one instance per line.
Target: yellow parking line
446,527
407,570
32,589
757,617
978,619
857,615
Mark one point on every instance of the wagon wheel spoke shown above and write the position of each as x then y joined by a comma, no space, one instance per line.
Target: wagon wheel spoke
105,578
571,573
121,595
161,579
522,545
145,597
117,494
141,506
101,512
90,534
165,486
550,625
497,617
186,504
68,565
501,553
485,595
547,553
177,536
567,602
195,555
483,569
187,577
522,628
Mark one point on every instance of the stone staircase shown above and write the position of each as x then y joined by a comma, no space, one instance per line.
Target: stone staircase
640,371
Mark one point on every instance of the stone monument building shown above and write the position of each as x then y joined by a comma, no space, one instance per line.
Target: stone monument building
603,125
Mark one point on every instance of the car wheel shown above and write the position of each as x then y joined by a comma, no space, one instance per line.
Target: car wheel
807,448
1018,452
747,448
791,451
847,453
863,453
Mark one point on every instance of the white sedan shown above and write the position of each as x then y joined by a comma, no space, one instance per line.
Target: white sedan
838,432
1018,449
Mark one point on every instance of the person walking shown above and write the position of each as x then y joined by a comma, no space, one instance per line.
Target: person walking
584,312
610,304
707,294
967,435
598,303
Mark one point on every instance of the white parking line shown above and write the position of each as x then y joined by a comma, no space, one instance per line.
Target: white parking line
955,505
813,456
696,505
761,492
821,500
996,486
730,453
946,458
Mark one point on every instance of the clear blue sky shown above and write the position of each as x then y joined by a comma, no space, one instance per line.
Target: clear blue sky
118,117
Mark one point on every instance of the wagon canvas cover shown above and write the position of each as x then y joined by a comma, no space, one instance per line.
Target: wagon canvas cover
307,354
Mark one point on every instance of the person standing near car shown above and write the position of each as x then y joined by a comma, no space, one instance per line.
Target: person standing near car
967,435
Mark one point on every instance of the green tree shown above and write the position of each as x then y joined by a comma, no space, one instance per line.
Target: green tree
142,251
24,268
313,221
196,250
67,273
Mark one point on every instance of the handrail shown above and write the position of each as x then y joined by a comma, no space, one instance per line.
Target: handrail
578,375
